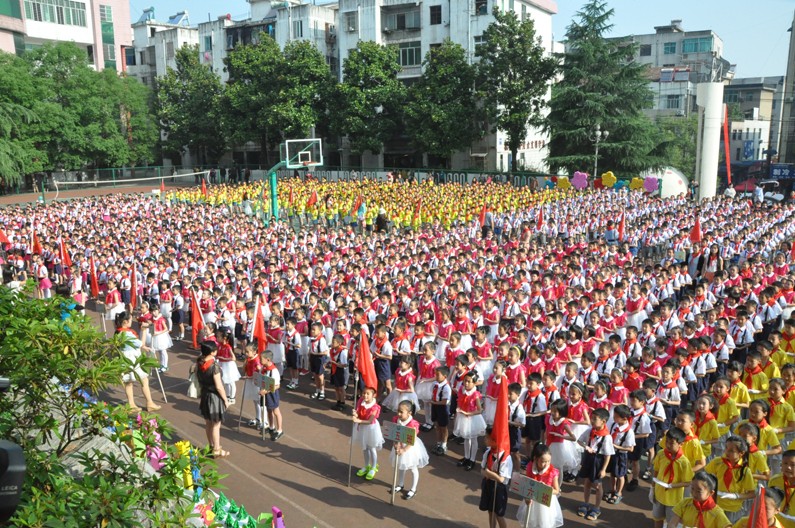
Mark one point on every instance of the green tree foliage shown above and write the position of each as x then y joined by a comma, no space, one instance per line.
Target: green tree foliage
18,153
50,353
188,107
602,85
442,110
368,104
680,138
514,76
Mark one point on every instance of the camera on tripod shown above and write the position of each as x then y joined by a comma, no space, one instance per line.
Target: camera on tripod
12,470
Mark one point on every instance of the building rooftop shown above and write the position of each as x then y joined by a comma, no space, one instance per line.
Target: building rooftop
769,81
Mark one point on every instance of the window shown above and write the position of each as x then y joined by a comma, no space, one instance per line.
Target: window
145,81
511,5
732,97
479,40
90,54
434,46
749,96
436,15
524,12
10,8
645,50
737,154
64,12
669,48
298,29
129,56
208,43
109,51
400,21
481,7
666,75
351,21
697,45
734,135
105,13
169,50
672,102
409,53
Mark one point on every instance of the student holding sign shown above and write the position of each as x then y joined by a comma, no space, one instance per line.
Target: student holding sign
542,470
271,392
411,457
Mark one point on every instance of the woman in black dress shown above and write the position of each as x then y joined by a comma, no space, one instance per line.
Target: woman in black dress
213,396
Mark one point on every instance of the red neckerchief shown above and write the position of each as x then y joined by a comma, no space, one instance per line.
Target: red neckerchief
207,364
728,476
127,330
723,399
753,448
789,490
700,423
669,471
379,343
749,380
598,432
773,404
703,506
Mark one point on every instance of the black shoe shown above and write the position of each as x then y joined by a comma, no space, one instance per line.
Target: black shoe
459,441
278,434
633,485
569,477
470,465
462,463
426,427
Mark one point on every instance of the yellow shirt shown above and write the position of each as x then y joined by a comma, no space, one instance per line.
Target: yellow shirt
758,463
779,357
780,416
739,484
777,481
743,523
759,382
708,431
692,449
739,393
714,518
771,370
790,397
683,472
726,411
767,437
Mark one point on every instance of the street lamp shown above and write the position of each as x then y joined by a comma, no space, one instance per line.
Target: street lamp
598,136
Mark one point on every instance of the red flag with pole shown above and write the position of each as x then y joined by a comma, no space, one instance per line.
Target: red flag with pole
94,279
196,320
499,432
726,144
540,218
162,187
259,328
417,210
291,198
792,252
312,200
482,217
36,246
622,225
133,286
3,238
204,189
66,260
758,517
364,363
695,233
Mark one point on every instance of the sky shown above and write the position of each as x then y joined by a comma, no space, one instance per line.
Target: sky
754,33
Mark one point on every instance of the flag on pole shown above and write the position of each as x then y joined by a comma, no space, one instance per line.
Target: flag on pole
417,211
727,145
356,205
499,432
196,320
364,363
35,245
162,188
259,328
94,279
695,233
622,225
66,260
3,238
482,217
792,252
291,198
312,200
204,189
540,218
758,517
133,286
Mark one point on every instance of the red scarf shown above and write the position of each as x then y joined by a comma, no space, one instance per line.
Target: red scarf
723,399
599,432
788,492
700,423
749,379
206,364
753,448
703,506
773,405
728,476
669,471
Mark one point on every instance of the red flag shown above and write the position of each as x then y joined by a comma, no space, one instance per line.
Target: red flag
727,145
94,279
482,217
695,233
364,364
291,198
264,193
162,187
133,286
3,238
204,189
622,225
312,200
35,244
758,517
499,432
196,320
66,260
540,218
417,210
356,205
792,252
259,328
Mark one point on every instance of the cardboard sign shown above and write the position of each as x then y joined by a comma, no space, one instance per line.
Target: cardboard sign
264,382
530,489
398,433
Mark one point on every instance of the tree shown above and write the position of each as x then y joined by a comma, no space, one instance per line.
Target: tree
514,75
601,85
18,95
442,113
679,141
188,108
52,356
368,105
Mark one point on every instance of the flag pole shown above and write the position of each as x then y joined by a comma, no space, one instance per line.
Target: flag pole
243,403
394,476
350,450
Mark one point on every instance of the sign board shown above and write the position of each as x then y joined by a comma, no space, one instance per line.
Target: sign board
530,489
782,171
748,150
264,382
399,433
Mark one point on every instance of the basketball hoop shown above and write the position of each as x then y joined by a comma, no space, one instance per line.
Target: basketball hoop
306,163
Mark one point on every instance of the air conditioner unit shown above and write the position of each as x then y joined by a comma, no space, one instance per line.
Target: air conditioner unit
387,29
351,29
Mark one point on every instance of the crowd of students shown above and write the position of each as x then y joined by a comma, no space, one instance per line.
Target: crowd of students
630,351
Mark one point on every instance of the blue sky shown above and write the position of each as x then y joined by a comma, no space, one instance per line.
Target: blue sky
754,33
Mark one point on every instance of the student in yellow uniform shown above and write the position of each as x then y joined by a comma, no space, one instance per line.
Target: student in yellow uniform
737,389
705,424
691,446
785,481
735,480
769,367
773,497
753,377
768,440
788,375
700,509
672,474
757,460
782,416
779,356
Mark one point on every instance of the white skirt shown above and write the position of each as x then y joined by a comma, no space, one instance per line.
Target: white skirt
132,355
278,352
637,319
110,315
441,350
489,408
578,429
492,333
162,342
368,435
395,397
541,516
165,309
466,342
469,426
415,457
565,455
229,372
250,391
424,390
210,317
485,366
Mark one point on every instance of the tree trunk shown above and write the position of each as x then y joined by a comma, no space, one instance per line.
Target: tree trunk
264,148
514,161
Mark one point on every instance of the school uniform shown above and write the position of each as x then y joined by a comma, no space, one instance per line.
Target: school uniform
272,398
491,499
516,414
669,469
623,436
706,518
383,370
669,392
440,414
727,410
339,366
787,514
740,480
318,355
641,425
602,444
707,430
534,425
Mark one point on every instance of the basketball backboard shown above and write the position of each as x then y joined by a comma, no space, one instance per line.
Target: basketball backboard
302,153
